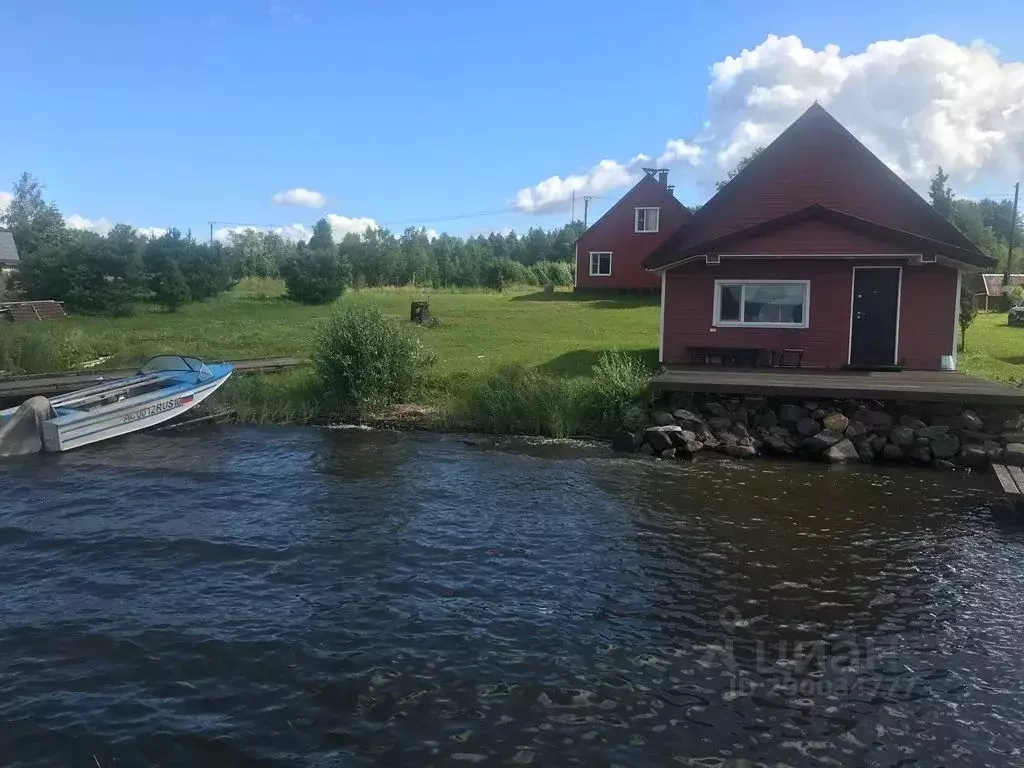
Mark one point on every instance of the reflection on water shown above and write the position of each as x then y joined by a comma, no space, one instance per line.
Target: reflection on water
292,597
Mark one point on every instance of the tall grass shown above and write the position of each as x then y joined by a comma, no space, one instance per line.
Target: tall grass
284,398
520,400
44,347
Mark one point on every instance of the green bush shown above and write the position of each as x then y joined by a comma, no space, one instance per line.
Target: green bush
620,384
317,277
553,272
1016,296
171,290
364,359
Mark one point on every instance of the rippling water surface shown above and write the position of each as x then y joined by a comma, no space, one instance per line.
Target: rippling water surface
248,596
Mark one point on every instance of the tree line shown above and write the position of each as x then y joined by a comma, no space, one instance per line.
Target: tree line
115,272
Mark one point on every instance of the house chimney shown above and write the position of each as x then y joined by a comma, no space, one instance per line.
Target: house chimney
671,189
663,177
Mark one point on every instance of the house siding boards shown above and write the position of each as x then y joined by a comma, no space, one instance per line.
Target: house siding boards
614,232
813,238
926,315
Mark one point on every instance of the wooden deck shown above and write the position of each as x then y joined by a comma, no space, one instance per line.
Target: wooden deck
14,387
918,386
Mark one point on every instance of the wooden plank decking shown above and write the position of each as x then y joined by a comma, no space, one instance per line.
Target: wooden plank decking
1010,478
919,386
58,383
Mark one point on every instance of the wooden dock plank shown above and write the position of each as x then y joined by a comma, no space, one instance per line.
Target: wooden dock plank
48,384
919,386
1006,479
1018,477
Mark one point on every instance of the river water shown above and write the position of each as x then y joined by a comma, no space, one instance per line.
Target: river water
250,596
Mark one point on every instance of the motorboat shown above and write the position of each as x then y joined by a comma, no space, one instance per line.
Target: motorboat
163,389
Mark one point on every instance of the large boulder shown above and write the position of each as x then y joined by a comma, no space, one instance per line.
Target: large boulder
624,442
682,437
688,419
1013,437
878,443
856,431
792,413
689,449
944,446
864,451
663,419
766,418
821,442
808,426
994,451
836,422
972,455
660,438
1014,454
779,446
875,421
932,432
716,409
778,431
968,420
901,435
976,436
920,454
911,421
893,452
740,451
841,453
720,423
740,430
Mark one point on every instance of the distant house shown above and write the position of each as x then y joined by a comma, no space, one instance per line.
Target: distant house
991,286
8,252
610,254
818,248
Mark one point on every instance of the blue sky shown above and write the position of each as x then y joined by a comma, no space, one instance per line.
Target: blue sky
173,114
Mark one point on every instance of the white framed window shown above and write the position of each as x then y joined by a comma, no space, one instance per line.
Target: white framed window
762,303
600,263
647,219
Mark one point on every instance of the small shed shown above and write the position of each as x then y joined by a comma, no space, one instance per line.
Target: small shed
992,288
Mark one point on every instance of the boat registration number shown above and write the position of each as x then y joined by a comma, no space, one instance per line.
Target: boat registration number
154,409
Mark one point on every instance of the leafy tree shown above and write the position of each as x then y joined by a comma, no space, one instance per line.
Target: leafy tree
967,314
322,238
940,194
316,277
739,167
34,222
171,289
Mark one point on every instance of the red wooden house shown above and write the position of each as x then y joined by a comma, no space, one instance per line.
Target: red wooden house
610,254
818,248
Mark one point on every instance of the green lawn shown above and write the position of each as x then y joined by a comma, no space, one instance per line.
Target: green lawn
479,330
994,349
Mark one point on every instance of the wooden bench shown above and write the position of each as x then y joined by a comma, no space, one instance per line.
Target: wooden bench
749,357
1011,478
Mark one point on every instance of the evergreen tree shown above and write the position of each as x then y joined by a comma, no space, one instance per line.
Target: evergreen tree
941,195
322,238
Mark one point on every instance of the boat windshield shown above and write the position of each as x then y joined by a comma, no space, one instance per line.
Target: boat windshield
174,363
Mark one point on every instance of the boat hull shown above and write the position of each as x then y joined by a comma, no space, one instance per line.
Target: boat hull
125,418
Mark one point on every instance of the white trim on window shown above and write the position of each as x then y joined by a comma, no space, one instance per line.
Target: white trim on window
719,323
598,273
899,308
647,228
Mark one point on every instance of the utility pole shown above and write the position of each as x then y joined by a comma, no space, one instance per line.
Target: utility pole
586,208
211,233
1013,234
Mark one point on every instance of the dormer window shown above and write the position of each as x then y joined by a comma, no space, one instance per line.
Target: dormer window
647,219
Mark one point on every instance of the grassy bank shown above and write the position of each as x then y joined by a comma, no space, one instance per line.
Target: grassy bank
516,361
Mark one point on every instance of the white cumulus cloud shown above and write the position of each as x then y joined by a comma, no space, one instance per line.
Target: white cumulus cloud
102,226
300,196
917,103
343,225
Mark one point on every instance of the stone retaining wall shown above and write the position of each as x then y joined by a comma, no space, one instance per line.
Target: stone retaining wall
835,431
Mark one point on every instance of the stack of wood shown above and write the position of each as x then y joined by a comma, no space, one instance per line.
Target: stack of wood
31,311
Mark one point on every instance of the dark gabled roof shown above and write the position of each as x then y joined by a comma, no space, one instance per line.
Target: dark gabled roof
817,169
8,250
648,179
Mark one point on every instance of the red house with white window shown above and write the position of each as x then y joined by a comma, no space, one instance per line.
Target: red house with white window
816,247
610,254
